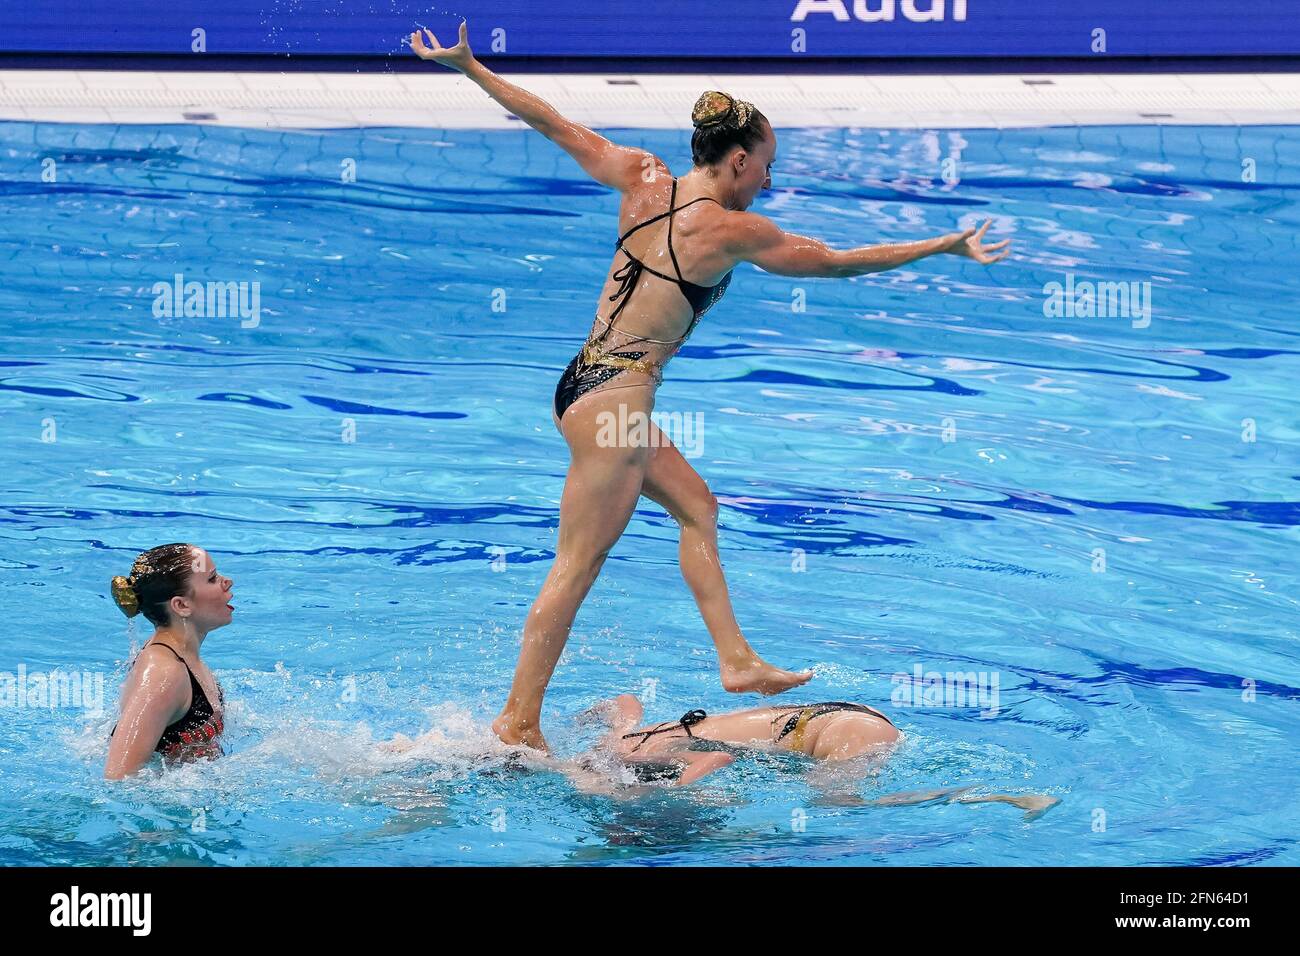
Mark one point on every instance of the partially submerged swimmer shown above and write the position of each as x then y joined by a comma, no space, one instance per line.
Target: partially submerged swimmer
682,752
171,701
687,749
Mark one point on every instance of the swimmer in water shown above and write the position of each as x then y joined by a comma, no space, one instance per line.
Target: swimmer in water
168,698
683,751
680,240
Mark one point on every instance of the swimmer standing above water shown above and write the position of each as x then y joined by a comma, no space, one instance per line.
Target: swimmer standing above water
680,239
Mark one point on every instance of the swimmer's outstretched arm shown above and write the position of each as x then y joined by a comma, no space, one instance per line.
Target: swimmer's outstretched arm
618,167
750,237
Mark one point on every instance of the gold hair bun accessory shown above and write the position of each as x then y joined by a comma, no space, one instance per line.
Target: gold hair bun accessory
125,597
715,108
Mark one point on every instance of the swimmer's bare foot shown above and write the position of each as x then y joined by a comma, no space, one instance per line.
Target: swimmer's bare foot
1035,804
511,731
757,676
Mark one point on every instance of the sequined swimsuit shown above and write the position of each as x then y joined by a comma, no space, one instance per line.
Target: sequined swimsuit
197,732
595,364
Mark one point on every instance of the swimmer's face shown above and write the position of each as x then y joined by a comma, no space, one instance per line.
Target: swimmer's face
753,169
208,604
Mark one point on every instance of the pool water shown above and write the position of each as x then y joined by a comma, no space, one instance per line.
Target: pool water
929,471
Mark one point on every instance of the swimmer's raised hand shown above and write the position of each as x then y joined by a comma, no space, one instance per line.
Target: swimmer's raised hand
458,57
971,245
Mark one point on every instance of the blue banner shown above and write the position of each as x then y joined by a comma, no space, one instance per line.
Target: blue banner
663,28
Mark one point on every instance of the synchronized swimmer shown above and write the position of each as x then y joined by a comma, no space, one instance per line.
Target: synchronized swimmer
167,702
690,233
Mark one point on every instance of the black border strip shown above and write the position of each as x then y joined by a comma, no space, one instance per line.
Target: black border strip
937,907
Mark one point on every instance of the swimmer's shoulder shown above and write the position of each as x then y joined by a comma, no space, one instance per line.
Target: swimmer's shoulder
160,673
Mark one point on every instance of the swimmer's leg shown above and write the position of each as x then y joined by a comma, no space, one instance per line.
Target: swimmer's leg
600,493
1034,804
674,484
916,798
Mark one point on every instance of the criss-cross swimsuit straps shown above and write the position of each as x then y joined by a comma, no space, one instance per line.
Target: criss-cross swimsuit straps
630,273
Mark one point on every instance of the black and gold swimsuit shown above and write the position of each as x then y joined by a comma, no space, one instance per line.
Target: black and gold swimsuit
198,731
792,721
596,363
796,720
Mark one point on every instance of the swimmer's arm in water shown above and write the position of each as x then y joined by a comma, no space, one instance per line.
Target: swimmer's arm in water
158,699
618,167
750,237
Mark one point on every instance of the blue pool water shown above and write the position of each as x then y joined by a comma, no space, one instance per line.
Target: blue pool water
919,469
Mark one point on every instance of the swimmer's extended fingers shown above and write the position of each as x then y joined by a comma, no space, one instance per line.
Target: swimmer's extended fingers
970,243
983,258
457,56
983,253
420,49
